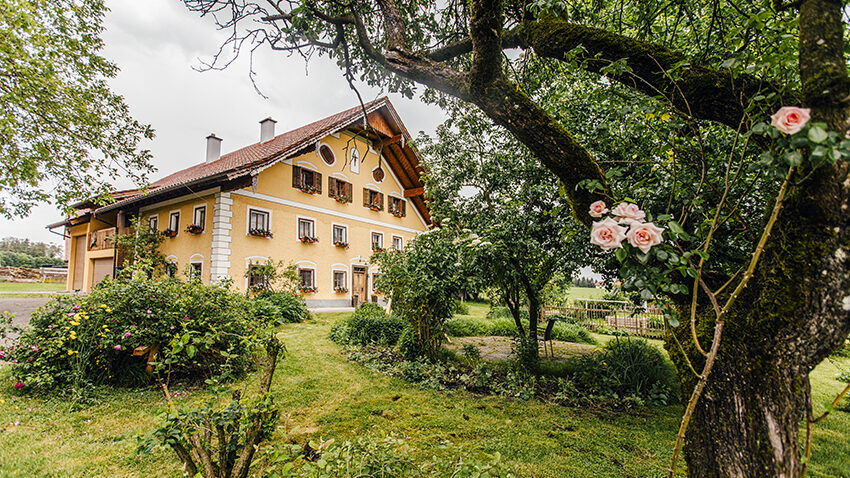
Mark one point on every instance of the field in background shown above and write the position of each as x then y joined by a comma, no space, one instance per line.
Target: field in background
32,287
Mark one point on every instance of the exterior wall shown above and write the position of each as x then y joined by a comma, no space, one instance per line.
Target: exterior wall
185,247
274,192
87,230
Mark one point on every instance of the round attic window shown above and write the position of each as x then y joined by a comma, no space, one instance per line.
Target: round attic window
378,174
327,154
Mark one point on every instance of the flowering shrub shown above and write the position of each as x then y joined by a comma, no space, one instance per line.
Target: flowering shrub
260,232
126,332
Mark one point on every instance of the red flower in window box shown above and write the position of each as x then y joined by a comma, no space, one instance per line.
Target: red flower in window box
306,289
341,290
308,240
169,233
194,229
341,198
396,212
341,244
376,207
260,232
377,248
309,189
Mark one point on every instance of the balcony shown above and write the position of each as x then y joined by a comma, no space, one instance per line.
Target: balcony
102,239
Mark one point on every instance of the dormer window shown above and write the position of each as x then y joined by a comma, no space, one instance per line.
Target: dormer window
340,190
398,207
306,180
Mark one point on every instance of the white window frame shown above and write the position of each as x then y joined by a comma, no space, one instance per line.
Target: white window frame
319,153
344,273
197,259
195,216
298,220
344,228
372,239
248,217
170,215
401,239
313,276
155,218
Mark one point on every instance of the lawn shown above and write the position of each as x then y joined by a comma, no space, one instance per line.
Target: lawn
322,394
24,287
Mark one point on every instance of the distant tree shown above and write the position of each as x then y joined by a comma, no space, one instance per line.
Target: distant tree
520,229
25,246
63,134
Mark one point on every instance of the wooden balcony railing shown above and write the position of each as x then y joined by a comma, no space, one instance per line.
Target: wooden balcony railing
102,239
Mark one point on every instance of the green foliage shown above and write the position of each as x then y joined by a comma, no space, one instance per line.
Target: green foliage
626,367
289,308
423,281
388,457
471,352
189,331
30,248
21,259
65,134
141,252
460,308
275,277
369,325
464,327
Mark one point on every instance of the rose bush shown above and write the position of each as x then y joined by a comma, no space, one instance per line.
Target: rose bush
129,332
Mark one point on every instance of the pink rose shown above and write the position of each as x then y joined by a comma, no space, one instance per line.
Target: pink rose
644,236
607,234
19,385
598,208
628,213
790,119
117,347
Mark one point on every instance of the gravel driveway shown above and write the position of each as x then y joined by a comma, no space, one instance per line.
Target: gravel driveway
22,308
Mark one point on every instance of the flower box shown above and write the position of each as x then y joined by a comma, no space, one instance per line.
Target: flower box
341,245
341,199
341,290
308,240
260,233
308,290
309,189
396,213
376,207
377,248
194,229
169,233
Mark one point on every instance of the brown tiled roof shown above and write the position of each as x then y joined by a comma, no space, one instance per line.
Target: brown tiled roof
259,153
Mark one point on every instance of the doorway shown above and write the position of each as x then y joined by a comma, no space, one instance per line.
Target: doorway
358,285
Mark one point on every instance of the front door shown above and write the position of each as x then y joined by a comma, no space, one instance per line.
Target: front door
358,286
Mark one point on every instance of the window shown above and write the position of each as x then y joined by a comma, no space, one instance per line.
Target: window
171,268
195,270
354,161
398,207
398,243
153,223
327,154
306,228
258,220
307,278
339,281
373,199
174,221
199,217
377,241
374,280
340,190
306,180
378,174
258,279
340,234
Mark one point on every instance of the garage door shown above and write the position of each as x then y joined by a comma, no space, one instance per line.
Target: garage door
102,268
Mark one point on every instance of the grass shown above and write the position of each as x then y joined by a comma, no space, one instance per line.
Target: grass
321,394
23,287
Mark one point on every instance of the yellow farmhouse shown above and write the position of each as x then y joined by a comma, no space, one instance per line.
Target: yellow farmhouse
323,197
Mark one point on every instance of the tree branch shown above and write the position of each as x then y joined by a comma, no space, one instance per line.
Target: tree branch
485,28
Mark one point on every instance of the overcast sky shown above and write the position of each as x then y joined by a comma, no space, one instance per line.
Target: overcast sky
157,42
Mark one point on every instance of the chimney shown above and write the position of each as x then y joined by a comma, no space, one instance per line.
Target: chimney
213,147
267,129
